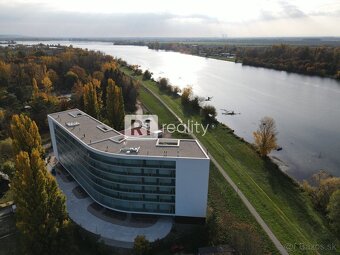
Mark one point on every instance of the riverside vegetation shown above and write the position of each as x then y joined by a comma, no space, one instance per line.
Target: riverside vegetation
320,60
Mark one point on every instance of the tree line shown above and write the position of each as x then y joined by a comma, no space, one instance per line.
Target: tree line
320,60
40,79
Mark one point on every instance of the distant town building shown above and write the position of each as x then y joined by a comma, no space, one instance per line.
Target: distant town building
131,174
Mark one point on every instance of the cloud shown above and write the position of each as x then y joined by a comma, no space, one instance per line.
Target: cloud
280,19
291,11
333,13
285,11
36,20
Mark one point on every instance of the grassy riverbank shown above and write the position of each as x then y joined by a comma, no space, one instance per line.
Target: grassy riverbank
224,203
277,198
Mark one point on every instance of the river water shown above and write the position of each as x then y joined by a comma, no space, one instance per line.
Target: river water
306,109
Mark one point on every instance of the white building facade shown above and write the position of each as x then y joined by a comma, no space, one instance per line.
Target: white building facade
132,175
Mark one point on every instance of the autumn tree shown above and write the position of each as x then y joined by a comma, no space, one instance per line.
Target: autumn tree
186,95
35,89
47,84
80,72
324,191
90,98
5,72
108,66
25,134
265,136
98,75
77,95
115,105
41,214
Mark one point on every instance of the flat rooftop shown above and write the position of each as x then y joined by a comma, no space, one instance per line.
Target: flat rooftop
102,137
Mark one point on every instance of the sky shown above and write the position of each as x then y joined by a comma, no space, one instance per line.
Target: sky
170,18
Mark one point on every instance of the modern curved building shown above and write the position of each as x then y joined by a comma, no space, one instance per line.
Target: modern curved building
133,175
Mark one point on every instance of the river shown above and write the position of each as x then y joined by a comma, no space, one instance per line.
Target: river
306,109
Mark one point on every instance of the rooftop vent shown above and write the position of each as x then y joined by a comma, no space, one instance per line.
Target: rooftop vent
76,114
168,142
118,138
131,150
104,128
72,124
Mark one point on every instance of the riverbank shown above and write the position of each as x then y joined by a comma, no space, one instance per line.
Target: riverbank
278,198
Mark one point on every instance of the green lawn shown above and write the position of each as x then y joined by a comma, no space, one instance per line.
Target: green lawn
277,198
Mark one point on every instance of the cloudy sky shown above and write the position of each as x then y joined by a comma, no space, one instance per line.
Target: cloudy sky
170,18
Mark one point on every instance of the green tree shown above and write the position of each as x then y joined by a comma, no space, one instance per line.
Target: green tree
265,136
141,245
118,109
70,79
91,104
209,113
41,214
110,101
115,105
147,75
25,134
333,209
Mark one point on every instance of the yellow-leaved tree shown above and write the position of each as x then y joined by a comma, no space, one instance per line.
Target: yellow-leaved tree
25,134
265,136
41,214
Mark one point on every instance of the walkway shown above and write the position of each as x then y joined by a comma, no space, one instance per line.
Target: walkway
112,234
246,202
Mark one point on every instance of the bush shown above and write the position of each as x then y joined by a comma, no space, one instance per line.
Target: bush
208,112
333,209
8,168
6,149
163,84
147,75
141,245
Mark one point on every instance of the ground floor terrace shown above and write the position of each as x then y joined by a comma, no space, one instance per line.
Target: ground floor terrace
114,228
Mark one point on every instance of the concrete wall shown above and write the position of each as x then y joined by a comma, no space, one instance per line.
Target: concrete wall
192,177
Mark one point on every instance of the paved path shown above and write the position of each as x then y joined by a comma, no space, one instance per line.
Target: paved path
246,202
111,234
